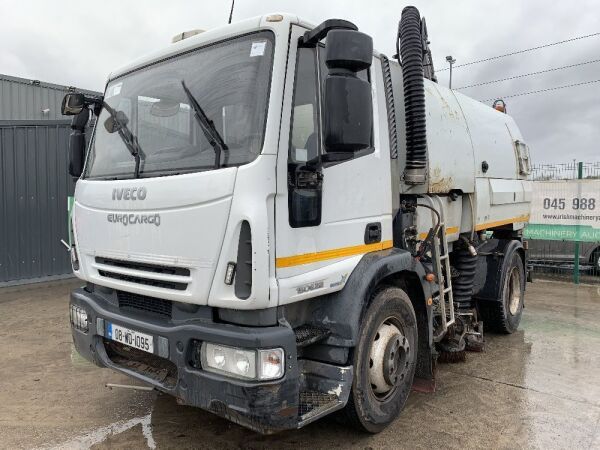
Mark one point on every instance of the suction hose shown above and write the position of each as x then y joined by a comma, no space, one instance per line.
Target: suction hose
411,54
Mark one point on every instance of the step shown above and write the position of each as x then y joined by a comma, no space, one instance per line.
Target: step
309,334
314,404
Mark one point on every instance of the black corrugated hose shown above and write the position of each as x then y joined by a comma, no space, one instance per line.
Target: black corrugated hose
411,54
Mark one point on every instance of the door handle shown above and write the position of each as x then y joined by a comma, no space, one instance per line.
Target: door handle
373,233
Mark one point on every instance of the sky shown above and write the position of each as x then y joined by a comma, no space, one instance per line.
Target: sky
73,42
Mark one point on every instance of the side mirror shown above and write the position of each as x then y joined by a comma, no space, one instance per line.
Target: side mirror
348,103
72,104
77,143
76,153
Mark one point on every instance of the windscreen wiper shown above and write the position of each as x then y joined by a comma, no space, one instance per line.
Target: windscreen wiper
119,124
207,126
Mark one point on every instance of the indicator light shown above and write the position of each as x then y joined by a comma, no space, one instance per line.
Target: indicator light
230,273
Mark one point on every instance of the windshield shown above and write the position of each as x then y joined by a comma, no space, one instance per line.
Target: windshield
230,82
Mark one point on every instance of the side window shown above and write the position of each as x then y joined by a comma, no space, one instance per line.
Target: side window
304,187
304,140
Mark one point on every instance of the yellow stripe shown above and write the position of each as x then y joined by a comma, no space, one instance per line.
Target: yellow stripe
449,230
309,258
485,226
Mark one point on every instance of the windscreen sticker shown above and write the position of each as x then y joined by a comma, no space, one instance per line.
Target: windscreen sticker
258,48
114,90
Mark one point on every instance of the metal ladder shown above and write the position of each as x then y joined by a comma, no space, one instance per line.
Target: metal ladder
441,265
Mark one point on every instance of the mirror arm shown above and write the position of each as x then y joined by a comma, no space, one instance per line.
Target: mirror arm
94,102
311,38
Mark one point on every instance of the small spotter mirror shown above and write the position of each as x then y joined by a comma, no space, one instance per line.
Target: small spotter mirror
72,104
113,124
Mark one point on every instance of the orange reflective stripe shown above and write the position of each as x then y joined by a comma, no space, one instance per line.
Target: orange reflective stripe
310,258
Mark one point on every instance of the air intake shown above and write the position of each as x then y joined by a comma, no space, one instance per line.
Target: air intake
145,304
243,276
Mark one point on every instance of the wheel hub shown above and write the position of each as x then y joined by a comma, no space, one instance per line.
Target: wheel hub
514,291
388,362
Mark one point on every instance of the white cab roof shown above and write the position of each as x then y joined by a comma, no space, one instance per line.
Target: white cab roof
207,37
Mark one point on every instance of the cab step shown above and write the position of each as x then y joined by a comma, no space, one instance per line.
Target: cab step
324,388
314,404
309,334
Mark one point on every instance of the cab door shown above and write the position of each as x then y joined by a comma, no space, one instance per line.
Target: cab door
327,214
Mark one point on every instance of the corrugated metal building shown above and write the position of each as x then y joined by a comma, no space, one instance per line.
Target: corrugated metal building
34,182
24,99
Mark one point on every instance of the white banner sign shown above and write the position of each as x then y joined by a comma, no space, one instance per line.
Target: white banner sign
565,210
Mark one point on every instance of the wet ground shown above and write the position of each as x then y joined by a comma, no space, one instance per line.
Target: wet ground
538,388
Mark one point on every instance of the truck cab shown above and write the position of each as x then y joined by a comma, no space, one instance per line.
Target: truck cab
246,238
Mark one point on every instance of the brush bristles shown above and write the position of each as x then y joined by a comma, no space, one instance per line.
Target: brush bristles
452,357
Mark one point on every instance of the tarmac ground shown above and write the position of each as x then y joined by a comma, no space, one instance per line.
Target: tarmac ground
537,388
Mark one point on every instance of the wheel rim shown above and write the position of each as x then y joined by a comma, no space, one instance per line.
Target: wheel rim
514,291
388,359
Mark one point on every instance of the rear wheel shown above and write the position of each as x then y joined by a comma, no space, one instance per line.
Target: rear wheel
595,260
385,361
504,316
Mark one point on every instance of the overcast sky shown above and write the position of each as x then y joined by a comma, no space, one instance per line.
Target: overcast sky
78,43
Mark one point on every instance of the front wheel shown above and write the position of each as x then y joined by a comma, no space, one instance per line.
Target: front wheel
384,361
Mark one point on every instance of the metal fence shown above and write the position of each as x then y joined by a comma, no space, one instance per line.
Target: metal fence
34,186
567,171
565,260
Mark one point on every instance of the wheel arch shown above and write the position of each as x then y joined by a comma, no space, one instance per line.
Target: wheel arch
593,253
494,257
343,311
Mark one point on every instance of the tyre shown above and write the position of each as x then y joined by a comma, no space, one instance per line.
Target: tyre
504,316
384,361
595,260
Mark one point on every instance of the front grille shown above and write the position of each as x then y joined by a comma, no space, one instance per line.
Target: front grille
146,281
144,266
159,369
137,302
309,334
149,276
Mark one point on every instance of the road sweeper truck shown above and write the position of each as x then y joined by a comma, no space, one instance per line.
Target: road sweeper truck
275,222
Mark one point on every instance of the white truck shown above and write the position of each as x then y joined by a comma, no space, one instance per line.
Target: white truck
275,222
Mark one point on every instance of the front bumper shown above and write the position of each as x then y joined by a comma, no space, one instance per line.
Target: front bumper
265,407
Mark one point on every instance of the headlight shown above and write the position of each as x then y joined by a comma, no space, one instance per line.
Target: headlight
79,318
243,363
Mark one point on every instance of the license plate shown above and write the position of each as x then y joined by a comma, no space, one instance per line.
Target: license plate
133,338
